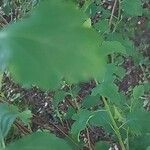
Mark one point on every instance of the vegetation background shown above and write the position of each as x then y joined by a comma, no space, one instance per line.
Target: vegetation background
102,51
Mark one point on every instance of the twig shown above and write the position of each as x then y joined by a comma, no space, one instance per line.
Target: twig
72,104
22,127
112,13
88,138
4,20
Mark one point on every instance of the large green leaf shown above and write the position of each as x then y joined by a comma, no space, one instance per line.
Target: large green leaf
51,44
39,141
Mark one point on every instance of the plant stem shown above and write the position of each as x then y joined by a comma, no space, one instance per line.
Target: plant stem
88,137
59,116
3,143
112,13
3,19
128,138
74,99
116,129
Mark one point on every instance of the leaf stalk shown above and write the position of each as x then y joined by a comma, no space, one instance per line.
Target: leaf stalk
115,127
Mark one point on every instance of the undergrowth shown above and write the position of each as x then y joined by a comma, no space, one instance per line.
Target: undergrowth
74,75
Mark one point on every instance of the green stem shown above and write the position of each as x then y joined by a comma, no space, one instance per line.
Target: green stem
119,16
59,116
74,99
112,13
116,129
128,139
3,143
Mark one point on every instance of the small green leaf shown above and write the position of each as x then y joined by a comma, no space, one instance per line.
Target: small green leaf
128,44
91,9
91,101
109,47
25,116
120,72
138,91
39,141
102,26
118,114
87,23
101,118
81,120
109,90
8,114
132,7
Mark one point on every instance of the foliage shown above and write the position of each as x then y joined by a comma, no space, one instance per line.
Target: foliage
39,140
59,44
57,48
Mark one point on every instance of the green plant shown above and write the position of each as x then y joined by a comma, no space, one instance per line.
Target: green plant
64,47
